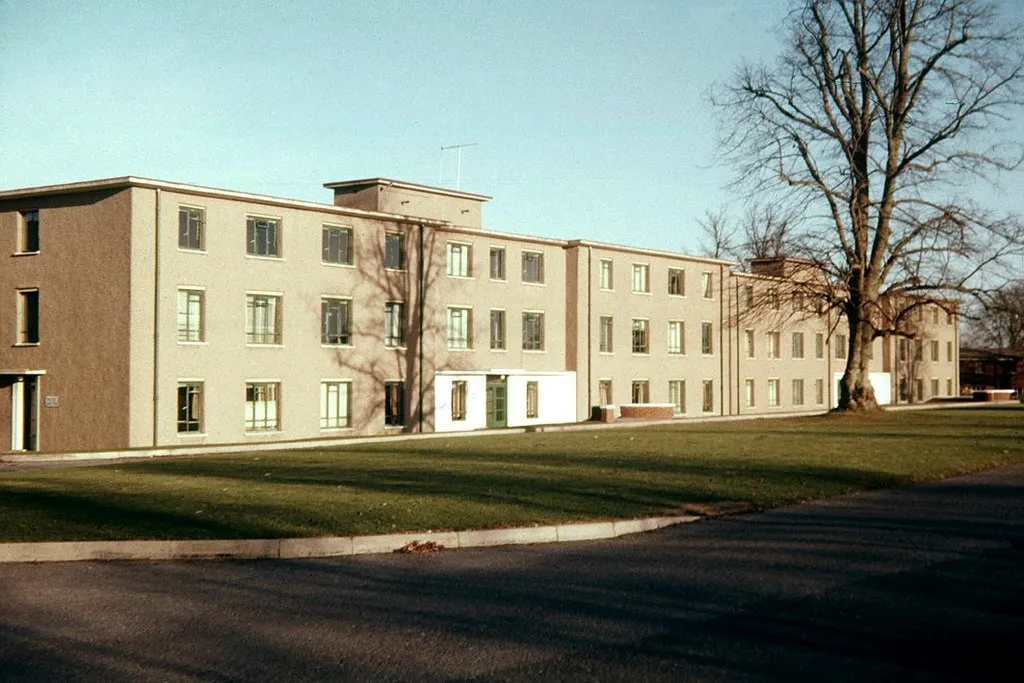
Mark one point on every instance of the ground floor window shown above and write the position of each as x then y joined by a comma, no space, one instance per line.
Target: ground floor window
935,387
262,406
394,403
708,396
458,400
335,405
641,391
604,392
819,391
532,400
773,393
748,387
677,395
798,392
190,407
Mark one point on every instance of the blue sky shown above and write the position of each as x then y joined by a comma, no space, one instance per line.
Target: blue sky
590,118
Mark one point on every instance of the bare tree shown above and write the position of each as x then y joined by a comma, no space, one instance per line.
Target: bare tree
999,322
762,232
874,118
718,235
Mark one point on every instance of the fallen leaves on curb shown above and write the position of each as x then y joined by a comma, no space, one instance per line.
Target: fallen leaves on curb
725,507
420,547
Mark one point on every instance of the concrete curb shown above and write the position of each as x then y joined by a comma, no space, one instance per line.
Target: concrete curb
332,546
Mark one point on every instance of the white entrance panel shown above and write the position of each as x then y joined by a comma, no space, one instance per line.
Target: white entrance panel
881,382
18,415
556,398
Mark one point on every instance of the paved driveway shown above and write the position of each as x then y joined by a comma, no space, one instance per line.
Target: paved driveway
916,584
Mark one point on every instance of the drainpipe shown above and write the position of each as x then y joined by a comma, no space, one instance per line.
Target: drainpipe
156,314
590,285
420,301
738,351
721,339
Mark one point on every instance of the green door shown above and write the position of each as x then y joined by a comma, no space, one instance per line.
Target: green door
496,402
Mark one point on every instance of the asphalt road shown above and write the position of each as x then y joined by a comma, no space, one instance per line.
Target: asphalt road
920,584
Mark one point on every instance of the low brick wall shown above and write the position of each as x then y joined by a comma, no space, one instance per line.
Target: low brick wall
993,395
648,411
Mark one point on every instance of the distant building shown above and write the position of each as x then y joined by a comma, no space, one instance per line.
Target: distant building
143,313
991,369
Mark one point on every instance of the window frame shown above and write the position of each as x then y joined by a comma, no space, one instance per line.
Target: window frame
185,414
463,339
680,348
394,316
502,275
344,335
677,281
253,246
774,392
199,331
499,343
462,266
797,391
773,343
640,336
606,334
330,421
707,396
394,403
252,425
677,395
606,276
534,345
345,247
536,257
28,233
707,338
394,251
459,393
750,392
185,232
253,335
797,344
749,343
640,391
641,277
27,325
707,285
532,400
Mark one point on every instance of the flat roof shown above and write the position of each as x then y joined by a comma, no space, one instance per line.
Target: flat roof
362,183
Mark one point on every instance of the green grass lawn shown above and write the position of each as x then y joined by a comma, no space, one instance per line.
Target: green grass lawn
503,480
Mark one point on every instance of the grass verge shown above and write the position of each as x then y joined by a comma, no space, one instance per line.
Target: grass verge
503,480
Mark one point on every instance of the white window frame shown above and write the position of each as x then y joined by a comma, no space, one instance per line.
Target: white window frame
336,411
345,244
677,339
394,317
191,407
527,258
797,344
460,260
774,392
606,342
254,425
194,318
606,275
459,326
253,244
186,212
534,347
343,331
681,279
707,285
256,334
641,278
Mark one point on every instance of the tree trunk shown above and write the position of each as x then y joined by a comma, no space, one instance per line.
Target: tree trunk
855,391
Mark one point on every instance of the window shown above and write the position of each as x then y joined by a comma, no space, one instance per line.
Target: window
640,336
841,346
394,251
949,386
677,395
336,245
676,338
335,405
498,330
903,389
748,336
706,286
532,400
774,342
798,302
458,401
262,406
798,345
798,392
707,403
676,282
460,326
902,348
773,393
748,392
934,351
748,296
604,392
459,260
335,321
819,345
604,275
28,316
605,328
919,389
819,391
773,298
935,316
394,324
949,352
262,235
262,319
707,345
394,404
641,282
497,263
190,407
935,386
533,331
640,391
918,349
192,228
533,267
28,232
190,315
949,318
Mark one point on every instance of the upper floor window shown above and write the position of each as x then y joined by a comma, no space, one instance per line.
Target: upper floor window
604,275
459,260
336,245
533,266
497,263
798,345
748,336
676,282
263,236
641,281
28,232
773,298
533,331
498,330
394,324
641,342
190,315
774,344
605,336
707,286
28,316
676,337
262,319
460,328
707,342
191,227
335,321
934,350
748,296
840,346
819,345
394,251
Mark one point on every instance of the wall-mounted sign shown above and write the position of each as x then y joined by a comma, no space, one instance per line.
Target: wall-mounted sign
50,401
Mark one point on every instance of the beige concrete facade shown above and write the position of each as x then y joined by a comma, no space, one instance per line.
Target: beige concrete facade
173,315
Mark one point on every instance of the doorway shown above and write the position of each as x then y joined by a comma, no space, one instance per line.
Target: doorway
25,413
497,401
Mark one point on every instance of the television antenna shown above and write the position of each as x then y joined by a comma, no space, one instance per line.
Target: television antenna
458,162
